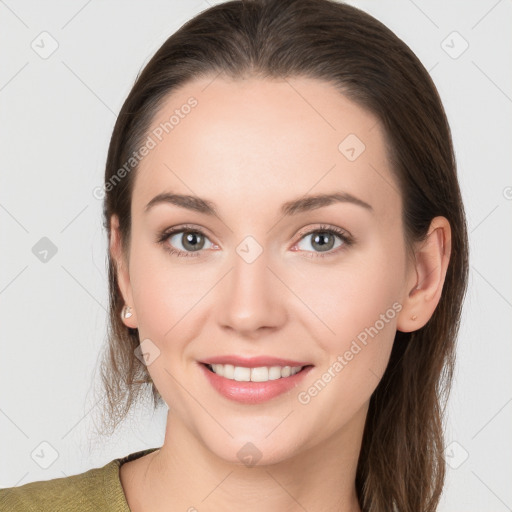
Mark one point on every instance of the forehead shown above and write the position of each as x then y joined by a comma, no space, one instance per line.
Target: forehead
254,142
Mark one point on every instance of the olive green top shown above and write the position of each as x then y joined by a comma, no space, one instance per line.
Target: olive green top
98,489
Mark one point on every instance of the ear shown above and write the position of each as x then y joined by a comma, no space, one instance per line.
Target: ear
123,276
426,277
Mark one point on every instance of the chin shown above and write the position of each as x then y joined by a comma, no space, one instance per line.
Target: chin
252,448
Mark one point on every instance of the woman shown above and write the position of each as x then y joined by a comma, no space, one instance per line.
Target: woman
287,261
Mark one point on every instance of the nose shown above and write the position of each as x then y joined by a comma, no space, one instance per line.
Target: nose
252,298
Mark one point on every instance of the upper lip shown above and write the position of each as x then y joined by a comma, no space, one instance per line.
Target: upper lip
253,362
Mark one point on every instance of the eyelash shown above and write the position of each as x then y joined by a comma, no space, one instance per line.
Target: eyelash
164,236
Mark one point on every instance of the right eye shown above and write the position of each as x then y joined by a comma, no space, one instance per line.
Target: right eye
183,241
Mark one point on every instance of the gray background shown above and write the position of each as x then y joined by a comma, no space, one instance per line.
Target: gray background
56,118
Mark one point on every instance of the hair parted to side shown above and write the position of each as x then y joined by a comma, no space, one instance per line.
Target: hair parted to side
401,465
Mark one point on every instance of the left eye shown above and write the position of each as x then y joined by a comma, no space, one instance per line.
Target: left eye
322,241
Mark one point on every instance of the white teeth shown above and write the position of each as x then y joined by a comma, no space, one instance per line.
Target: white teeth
274,372
242,374
259,374
218,369
228,371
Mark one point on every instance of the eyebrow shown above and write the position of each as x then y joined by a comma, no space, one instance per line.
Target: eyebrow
301,205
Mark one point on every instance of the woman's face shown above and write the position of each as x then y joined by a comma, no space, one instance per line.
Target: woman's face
260,278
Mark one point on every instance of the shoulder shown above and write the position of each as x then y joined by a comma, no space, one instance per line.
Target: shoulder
96,489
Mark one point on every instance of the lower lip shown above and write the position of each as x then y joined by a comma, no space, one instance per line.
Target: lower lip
253,392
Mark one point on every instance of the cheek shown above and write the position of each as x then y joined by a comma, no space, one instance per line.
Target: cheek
361,313
165,291
354,294
362,318
166,300
358,305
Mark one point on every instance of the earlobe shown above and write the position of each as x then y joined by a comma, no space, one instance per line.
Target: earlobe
123,278
425,286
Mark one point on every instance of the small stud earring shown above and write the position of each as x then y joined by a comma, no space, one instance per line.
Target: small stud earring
126,312
413,317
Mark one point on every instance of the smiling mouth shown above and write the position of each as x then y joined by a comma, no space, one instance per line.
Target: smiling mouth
257,374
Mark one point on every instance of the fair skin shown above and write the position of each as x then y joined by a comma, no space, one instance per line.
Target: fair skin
248,147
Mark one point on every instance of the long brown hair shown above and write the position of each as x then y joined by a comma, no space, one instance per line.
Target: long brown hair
401,464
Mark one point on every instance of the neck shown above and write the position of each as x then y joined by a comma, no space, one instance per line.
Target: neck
185,475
